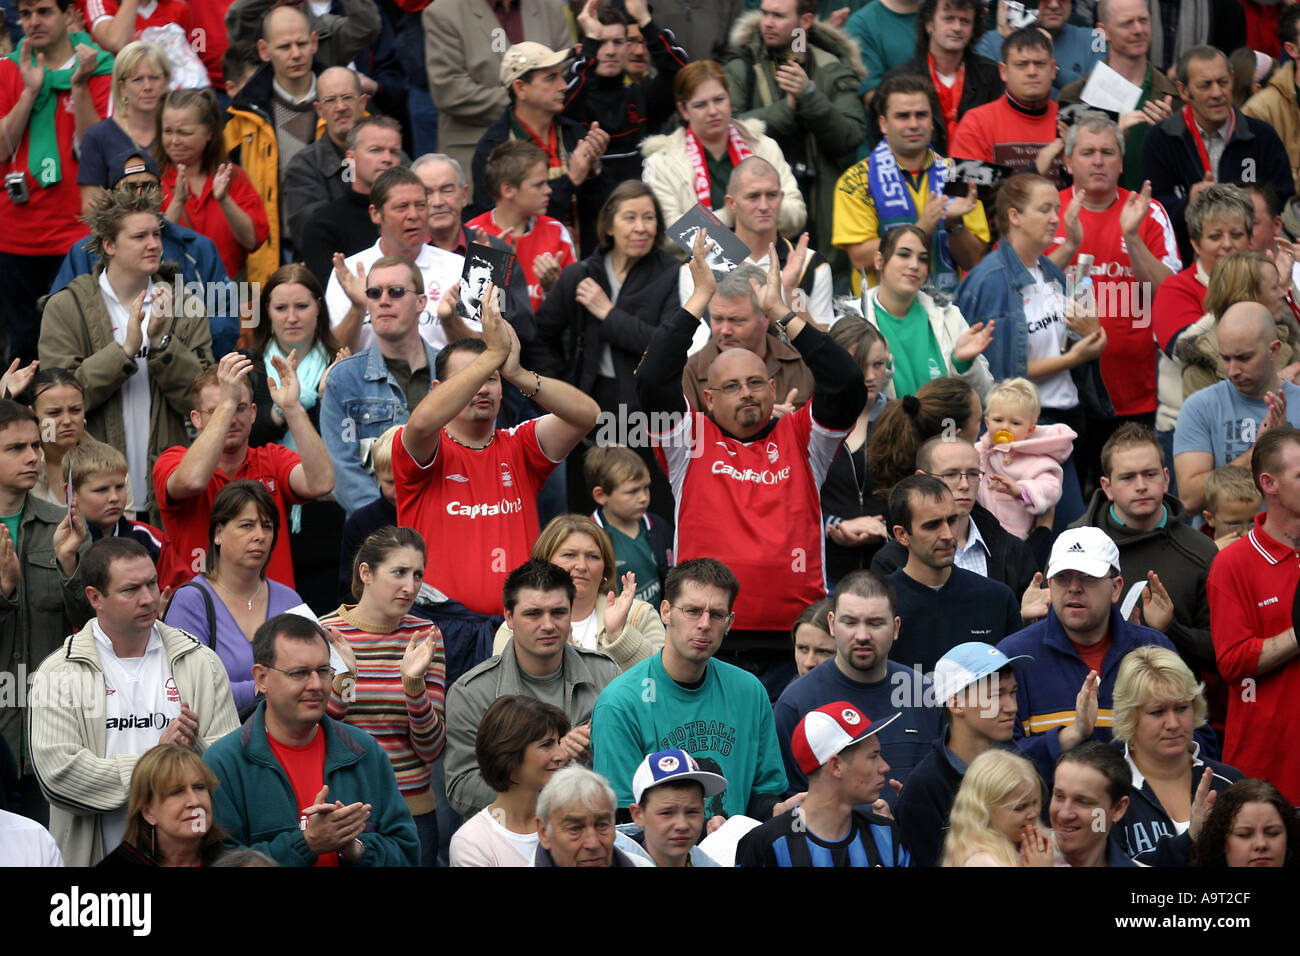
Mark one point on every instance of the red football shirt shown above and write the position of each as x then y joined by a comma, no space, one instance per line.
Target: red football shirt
1128,366
1251,587
756,507
997,132
544,235
186,521
203,214
477,510
47,224
305,767
156,13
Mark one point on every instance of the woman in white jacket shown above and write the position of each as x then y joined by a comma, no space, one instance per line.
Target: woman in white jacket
942,344
694,163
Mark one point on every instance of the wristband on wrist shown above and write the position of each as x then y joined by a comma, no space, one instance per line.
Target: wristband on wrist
534,391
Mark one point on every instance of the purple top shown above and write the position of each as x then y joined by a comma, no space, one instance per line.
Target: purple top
187,611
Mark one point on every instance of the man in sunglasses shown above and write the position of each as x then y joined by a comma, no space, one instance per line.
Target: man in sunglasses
682,697
341,806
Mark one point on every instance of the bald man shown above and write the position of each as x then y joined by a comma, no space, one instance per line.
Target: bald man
746,479
1220,424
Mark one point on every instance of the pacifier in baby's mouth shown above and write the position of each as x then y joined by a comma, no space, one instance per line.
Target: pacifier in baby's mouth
1002,436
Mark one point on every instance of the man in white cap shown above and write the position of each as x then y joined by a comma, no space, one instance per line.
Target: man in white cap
669,790
976,684
534,78
1064,696
838,748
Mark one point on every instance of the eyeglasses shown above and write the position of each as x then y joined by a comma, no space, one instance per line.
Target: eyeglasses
1071,578
733,388
395,292
695,613
300,675
955,477
346,99
136,188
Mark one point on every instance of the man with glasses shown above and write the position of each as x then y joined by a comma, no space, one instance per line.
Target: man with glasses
399,207
162,687
984,547
187,480
747,480
682,697
1064,697
342,806
941,605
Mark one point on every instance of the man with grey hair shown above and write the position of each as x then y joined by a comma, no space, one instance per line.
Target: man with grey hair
1126,27
1129,239
575,821
737,322
316,174
1209,141
754,199
448,193
1219,424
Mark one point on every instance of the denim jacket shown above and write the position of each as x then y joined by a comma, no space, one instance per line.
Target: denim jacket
362,400
992,290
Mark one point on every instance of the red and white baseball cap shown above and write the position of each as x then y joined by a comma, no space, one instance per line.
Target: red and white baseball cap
826,731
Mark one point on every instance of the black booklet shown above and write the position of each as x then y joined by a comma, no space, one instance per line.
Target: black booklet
726,251
483,264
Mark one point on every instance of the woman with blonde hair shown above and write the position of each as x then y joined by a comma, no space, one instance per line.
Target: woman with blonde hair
1158,705
994,816
1239,277
169,812
617,624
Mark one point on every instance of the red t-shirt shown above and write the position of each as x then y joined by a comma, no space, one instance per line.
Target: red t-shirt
208,22
47,224
477,510
203,214
1128,366
1251,586
544,235
162,13
305,767
997,132
756,507
1093,656
1180,301
186,522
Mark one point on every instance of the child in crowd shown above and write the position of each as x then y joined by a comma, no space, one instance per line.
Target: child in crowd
1021,459
619,481
1231,503
96,477
516,174
369,518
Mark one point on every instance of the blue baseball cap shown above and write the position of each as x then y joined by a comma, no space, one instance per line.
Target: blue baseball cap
668,766
967,663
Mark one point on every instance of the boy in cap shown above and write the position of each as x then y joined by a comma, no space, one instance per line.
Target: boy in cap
838,748
1064,696
976,685
669,790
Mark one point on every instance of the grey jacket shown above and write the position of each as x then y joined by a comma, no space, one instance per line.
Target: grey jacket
45,609
313,178
342,35
585,675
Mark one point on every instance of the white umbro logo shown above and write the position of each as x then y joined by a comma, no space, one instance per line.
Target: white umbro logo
457,478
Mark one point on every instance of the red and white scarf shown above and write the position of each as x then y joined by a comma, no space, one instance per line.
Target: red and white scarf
736,150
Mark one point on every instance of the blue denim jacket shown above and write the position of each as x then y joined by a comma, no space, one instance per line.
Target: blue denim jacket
992,290
361,401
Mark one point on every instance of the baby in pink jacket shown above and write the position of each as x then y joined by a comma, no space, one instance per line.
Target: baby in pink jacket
1021,460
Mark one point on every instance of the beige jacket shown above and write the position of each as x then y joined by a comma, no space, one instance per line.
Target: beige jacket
68,737
947,324
1276,105
668,172
642,637
463,48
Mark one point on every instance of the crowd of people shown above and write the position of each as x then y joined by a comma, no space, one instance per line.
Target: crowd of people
388,478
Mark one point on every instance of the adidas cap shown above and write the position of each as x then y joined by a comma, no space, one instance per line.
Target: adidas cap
1087,550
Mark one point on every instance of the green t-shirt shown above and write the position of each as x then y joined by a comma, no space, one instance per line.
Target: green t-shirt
719,175
12,522
635,555
915,350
